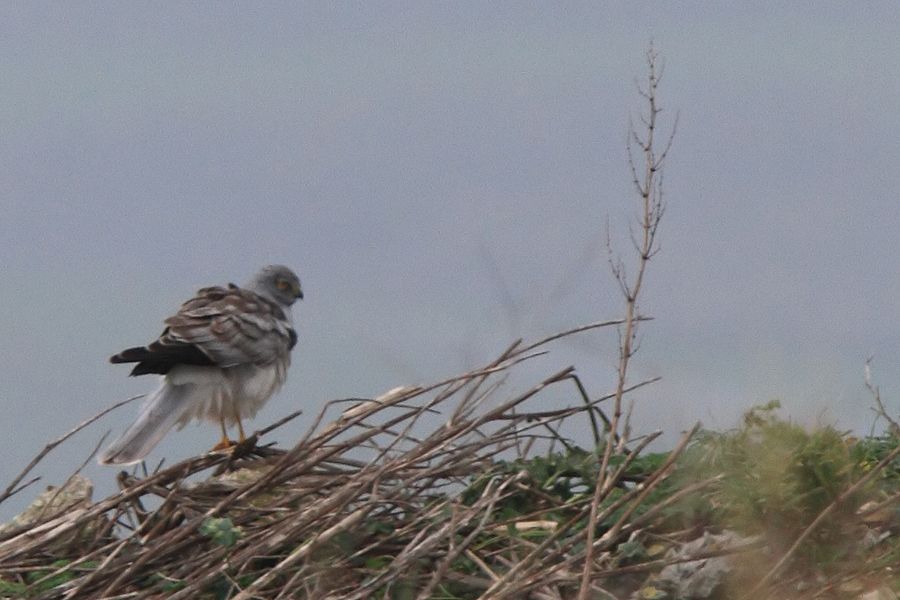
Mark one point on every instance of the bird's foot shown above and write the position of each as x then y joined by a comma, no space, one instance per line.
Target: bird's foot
224,444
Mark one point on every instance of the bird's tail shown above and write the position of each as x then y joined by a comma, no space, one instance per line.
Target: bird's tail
160,411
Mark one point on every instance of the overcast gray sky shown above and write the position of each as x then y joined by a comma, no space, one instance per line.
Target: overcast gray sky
439,174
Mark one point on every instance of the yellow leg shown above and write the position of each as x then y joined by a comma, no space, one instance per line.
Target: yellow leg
224,442
241,430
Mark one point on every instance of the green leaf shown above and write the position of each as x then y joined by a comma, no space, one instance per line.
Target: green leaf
12,589
221,531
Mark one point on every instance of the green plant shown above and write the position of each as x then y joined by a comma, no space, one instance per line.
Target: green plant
221,531
775,478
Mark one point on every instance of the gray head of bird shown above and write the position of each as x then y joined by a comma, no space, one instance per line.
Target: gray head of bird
278,283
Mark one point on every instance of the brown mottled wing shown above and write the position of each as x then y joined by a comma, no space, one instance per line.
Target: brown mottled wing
221,327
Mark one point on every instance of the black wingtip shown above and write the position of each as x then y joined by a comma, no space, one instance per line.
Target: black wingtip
160,356
130,355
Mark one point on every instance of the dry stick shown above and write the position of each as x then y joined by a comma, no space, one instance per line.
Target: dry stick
465,543
584,396
53,498
338,502
580,329
24,486
422,543
399,532
876,394
172,543
821,517
499,411
640,491
267,542
443,444
652,209
315,452
650,565
446,435
261,432
13,547
508,576
293,582
646,487
498,588
562,413
304,466
49,447
358,415
145,557
72,476
555,437
648,516
118,545
186,465
424,444
422,531
615,505
351,520
599,517
481,564
468,427
470,401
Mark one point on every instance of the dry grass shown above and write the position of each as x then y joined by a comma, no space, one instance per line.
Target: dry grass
368,505
490,501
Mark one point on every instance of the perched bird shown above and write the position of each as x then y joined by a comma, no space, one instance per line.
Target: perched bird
221,357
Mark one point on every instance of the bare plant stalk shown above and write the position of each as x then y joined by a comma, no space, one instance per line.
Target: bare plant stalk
648,186
880,410
12,489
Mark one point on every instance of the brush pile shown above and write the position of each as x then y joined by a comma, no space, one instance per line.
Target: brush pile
448,491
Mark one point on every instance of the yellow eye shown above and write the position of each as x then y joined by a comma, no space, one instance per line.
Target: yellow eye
283,285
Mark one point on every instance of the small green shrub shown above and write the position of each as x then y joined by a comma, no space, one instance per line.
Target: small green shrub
776,477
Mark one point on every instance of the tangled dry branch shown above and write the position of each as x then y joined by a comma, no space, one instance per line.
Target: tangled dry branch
374,500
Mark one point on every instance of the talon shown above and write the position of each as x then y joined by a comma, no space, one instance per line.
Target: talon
224,444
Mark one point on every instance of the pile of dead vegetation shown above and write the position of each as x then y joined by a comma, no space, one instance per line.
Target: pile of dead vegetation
489,500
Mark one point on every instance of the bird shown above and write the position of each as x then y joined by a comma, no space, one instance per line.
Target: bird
221,357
